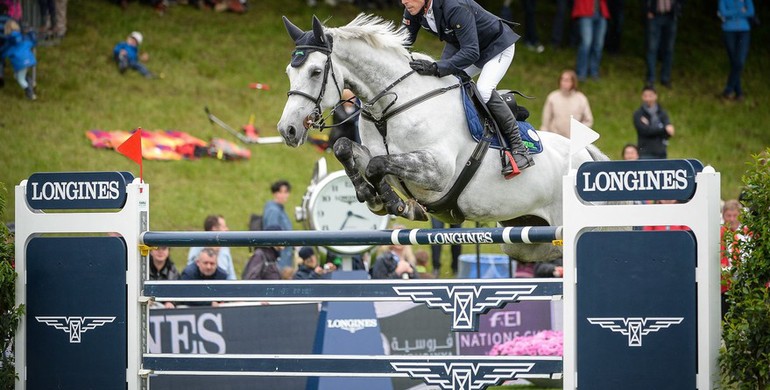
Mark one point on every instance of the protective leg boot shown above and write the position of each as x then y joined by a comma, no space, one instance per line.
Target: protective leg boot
517,158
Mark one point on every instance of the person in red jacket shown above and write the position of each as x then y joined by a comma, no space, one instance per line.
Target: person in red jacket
591,17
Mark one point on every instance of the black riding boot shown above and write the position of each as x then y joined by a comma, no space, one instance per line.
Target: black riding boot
509,129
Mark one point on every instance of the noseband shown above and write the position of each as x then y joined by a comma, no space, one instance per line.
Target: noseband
317,114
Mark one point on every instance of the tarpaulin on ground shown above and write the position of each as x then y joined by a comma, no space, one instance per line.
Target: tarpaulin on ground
170,145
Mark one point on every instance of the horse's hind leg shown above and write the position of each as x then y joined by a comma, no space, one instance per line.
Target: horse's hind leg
411,167
354,158
542,252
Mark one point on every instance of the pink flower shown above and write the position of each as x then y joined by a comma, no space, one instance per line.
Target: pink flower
544,343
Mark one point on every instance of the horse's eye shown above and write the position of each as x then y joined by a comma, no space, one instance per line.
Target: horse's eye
315,73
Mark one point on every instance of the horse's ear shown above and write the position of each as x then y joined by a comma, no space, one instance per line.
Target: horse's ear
318,30
294,31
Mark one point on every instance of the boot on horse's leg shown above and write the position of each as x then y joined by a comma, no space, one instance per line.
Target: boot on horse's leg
518,157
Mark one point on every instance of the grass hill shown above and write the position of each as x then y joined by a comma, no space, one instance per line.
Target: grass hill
209,58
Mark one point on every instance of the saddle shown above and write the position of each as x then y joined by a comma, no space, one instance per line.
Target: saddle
486,137
476,113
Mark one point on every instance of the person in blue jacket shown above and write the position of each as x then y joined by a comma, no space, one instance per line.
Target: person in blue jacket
127,56
477,43
18,50
736,30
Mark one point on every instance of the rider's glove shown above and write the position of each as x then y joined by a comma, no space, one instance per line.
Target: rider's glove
424,67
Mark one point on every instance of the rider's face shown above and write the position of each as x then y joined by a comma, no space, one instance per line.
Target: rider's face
413,6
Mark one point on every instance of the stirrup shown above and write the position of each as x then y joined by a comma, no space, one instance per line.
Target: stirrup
509,161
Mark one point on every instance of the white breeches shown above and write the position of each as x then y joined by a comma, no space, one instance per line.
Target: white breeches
492,72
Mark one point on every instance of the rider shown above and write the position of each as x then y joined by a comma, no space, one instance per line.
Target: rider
478,42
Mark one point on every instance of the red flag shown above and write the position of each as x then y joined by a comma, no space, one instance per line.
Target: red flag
132,148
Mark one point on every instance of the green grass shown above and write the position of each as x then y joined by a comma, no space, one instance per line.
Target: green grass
209,59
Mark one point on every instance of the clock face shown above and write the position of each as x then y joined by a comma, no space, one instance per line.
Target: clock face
333,206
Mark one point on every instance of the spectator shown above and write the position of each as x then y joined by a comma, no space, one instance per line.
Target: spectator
48,17
18,50
204,268
421,256
309,269
263,264
736,30
126,55
11,8
162,268
549,269
456,250
615,25
8,8
630,152
729,255
531,38
346,119
60,26
216,223
392,264
653,127
566,102
662,18
557,31
275,214
591,17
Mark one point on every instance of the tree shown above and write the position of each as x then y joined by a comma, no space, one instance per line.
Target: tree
9,313
745,361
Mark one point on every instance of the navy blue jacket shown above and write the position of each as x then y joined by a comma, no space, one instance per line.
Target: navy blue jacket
652,140
191,272
473,35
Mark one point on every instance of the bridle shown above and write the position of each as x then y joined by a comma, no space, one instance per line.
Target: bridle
317,120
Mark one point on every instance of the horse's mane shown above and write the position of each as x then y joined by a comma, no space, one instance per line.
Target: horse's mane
375,31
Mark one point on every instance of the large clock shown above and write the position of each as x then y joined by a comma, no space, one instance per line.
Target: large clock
331,205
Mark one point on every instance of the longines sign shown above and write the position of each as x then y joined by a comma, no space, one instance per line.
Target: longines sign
637,180
77,190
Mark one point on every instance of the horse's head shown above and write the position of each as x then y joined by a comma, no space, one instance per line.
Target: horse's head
314,86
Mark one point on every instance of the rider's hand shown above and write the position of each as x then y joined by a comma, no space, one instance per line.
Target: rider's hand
424,67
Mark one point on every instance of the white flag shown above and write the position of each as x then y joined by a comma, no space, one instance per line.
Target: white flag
580,137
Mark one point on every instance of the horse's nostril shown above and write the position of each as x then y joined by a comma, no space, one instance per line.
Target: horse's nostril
292,131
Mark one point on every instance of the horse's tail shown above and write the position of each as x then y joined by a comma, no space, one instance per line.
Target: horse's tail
596,154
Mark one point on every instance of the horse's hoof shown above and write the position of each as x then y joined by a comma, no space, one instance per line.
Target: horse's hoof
365,192
416,211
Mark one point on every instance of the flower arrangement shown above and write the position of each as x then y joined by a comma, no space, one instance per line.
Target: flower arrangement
544,343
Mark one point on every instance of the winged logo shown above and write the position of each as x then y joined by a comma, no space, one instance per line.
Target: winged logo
75,326
461,375
465,303
635,327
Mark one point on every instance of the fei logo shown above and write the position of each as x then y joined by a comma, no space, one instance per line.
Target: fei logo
635,327
465,303
462,375
75,326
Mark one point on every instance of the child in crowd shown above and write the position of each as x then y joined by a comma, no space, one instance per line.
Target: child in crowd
18,50
127,55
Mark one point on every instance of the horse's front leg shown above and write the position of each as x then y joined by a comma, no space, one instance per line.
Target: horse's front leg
417,167
354,158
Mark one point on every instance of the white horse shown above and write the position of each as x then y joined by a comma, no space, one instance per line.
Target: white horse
426,145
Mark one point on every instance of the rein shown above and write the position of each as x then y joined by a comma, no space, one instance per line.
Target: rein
381,123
